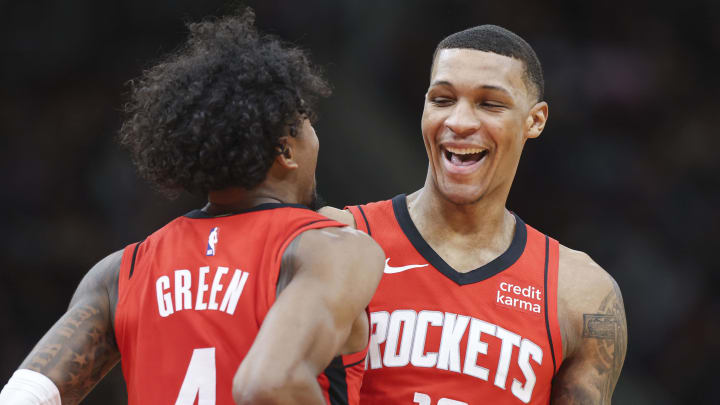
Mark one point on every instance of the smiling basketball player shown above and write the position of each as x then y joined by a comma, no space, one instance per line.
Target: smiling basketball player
475,306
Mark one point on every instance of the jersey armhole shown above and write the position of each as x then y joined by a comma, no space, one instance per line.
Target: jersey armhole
361,221
355,358
343,376
126,266
274,272
551,280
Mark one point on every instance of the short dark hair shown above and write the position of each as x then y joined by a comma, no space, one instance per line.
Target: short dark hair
210,115
491,38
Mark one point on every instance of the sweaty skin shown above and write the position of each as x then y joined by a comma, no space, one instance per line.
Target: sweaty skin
483,101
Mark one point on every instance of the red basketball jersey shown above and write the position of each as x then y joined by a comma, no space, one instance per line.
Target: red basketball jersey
192,297
488,336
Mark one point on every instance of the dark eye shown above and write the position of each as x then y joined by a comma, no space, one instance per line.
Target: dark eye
492,105
441,101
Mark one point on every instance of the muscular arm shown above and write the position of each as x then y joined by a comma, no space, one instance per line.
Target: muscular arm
80,348
592,319
333,274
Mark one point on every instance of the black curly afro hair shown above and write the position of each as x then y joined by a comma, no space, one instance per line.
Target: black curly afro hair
211,114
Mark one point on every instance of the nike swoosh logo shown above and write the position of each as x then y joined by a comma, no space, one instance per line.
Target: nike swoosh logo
392,270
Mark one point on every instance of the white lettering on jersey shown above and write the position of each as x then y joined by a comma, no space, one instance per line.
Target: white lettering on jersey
216,287
202,287
164,299
405,333
527,349
452,332
232,295
183,297
394,357
475,347
378,326
418,357
509,340
183,291
529,292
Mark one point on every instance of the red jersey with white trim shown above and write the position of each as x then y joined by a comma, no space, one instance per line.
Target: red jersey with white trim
192,298
488,336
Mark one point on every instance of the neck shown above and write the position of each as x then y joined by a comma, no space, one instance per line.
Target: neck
235,199
484,216
484,225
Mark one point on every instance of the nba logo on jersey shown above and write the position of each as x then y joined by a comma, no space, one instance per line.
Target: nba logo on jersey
212,241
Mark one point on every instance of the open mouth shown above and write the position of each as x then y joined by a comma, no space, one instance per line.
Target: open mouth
464,156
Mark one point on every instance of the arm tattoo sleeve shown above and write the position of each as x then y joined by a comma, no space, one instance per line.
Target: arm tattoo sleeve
80,348
609,329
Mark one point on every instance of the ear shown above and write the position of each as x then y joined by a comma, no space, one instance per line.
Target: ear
286,153
535,122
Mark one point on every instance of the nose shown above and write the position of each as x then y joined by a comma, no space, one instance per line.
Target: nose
462,120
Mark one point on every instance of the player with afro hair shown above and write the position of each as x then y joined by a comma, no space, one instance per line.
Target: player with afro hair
210,115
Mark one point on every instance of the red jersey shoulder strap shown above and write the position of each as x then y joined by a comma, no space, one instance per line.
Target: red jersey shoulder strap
371,212
544,252
552,324
361,221
127,265
302,220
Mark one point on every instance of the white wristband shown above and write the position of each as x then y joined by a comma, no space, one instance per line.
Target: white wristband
27,387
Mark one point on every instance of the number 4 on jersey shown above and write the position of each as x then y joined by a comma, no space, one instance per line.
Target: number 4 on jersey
199,379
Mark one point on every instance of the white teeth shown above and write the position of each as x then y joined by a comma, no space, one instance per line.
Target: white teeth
463,151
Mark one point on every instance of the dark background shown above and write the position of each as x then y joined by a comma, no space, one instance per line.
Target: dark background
626,169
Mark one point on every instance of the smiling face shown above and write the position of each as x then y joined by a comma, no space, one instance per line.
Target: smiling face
478,113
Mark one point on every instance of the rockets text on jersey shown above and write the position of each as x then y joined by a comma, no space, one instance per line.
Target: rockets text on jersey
443,337
404,333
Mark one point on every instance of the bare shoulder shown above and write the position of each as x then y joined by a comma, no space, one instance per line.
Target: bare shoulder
330,252
345,243
592,320
342,216
102,276
333,248
584,290
582,282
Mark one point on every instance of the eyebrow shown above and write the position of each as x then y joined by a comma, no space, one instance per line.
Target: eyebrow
484,86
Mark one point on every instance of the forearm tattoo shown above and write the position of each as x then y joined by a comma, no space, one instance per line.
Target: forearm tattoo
76,353
80,348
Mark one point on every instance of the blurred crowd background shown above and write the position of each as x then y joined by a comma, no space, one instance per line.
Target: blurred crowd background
626,169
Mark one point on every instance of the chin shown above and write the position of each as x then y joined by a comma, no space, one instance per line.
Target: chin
461,195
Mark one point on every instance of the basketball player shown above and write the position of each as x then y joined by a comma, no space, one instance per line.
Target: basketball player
254,277
475,306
